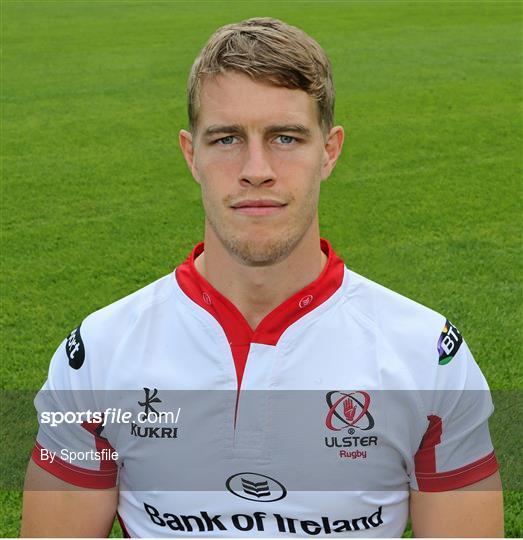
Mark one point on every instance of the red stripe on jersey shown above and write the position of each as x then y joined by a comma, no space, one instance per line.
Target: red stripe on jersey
425,458
77,476
239,334
101,444
458,478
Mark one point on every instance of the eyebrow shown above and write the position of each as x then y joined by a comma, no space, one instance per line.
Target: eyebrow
276,128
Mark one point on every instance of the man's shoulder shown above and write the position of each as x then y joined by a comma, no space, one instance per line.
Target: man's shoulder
91,347
414,338
116,318
385,306
407,326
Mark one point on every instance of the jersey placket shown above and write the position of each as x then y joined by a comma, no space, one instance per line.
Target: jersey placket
255,351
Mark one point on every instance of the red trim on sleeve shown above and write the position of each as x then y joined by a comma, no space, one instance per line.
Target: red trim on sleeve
458,478
102,443
77,476
425,458
239,334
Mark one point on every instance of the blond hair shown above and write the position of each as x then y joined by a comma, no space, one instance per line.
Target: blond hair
267,50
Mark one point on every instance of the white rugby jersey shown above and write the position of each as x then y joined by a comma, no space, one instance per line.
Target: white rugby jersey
318,422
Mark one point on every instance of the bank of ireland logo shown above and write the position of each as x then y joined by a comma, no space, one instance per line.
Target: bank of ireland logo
255,487
348,410
449,342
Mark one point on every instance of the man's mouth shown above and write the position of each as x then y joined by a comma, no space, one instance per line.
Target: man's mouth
258,207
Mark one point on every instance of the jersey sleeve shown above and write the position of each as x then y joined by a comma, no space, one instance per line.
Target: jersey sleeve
70,443
456,449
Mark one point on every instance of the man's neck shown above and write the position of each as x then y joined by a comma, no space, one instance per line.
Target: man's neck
257,290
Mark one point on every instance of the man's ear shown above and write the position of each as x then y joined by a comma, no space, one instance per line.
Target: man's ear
186,144
332,150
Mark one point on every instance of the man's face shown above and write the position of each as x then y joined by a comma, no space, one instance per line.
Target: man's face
259,156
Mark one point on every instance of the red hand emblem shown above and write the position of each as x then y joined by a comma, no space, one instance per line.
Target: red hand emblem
349,410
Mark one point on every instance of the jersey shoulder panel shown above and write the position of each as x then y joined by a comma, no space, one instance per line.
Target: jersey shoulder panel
393,314
388,308
120,315
83,359
422,341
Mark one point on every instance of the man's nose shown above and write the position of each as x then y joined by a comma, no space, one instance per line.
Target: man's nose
256,167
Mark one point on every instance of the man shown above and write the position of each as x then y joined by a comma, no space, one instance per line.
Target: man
339,406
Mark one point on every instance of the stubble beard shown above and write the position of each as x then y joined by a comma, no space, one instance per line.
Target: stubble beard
251,250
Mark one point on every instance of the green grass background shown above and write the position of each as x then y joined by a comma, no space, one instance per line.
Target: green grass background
97,201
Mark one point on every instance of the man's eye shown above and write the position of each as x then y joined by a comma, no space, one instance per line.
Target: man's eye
286,139
226,140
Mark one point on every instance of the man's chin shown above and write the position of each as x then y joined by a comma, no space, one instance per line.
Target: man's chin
260,252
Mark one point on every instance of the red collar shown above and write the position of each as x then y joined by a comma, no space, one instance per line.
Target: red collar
270,329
